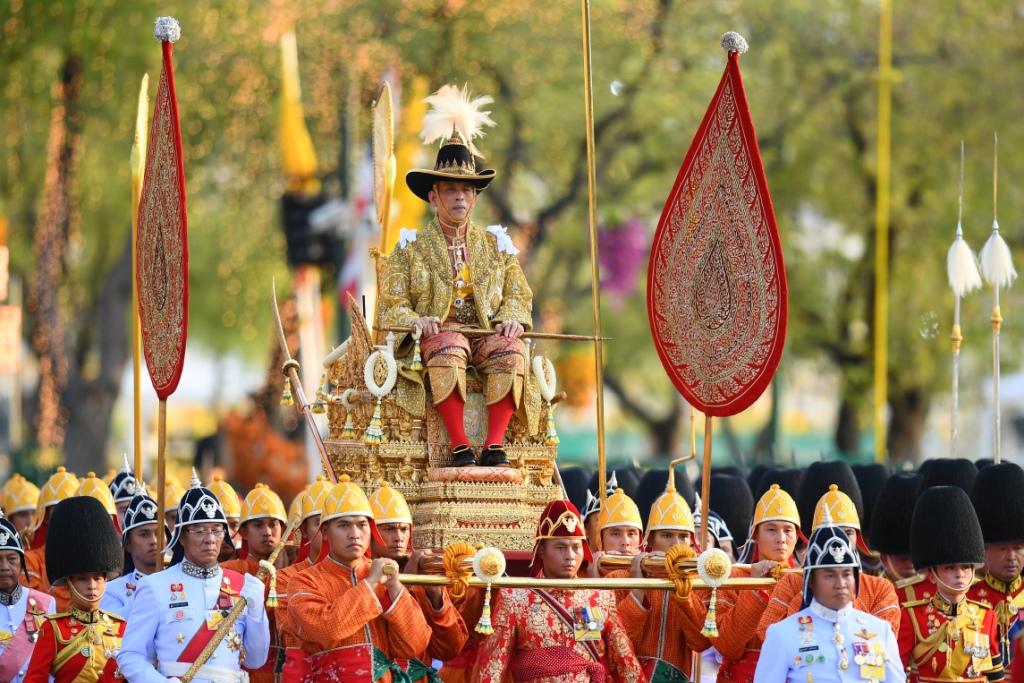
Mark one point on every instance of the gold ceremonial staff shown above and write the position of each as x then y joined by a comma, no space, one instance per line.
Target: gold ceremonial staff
584,583
488,333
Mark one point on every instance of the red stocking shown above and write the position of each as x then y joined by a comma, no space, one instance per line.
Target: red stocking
452,409
498,416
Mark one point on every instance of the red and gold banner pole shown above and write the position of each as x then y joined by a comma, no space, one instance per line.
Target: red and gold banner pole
595,268
138,165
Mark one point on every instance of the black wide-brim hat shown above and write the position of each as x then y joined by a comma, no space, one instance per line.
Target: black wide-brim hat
82,540
455,162
998,499
945,529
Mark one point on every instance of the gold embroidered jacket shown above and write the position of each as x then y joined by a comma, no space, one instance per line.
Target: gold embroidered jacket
418,281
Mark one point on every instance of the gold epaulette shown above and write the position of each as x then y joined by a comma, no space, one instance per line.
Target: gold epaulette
910,604
915,579
980,603
113,616
58,615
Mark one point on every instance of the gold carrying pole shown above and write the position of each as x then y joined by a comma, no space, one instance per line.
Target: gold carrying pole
585,583
473,332
236,610
595,270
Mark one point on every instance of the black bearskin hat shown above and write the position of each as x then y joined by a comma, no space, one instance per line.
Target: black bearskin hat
998,499
871,478
81,540
817,478
732,500
627,477
945,529
949,472
575,479
890,520
755,474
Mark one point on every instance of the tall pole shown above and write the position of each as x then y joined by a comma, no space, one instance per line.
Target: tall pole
881,361
595,269
138,165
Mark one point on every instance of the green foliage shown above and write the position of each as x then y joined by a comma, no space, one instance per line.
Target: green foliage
810,76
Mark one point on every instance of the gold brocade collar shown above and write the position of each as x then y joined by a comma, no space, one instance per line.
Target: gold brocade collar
1001,586
946,607
85,616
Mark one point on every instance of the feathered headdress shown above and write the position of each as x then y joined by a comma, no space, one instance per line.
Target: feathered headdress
453,111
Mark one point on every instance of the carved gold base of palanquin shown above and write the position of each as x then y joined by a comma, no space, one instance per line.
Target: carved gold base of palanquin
499,513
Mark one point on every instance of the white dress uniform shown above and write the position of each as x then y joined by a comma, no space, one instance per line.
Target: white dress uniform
821,645
15,642
170,607
120,593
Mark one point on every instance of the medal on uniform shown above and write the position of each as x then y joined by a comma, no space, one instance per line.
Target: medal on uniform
589,623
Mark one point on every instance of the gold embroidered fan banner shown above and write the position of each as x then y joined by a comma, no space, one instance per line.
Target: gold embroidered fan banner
162,242
716,281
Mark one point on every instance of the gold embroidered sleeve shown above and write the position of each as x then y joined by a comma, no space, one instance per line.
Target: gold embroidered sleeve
496,650
516,296
396,305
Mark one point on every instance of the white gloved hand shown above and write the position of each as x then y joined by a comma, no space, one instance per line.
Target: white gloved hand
252,591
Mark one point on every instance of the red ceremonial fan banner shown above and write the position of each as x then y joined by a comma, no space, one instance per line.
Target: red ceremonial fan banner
716,282
162,242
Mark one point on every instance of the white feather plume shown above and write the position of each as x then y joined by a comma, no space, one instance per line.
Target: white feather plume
167,29
996,261
962,268
451,108
734,42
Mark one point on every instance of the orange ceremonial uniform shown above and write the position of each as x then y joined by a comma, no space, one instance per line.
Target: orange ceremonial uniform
459,669
346,627
295,667
739,613
448,634
35,565
876,596
537,636
77,646
664,628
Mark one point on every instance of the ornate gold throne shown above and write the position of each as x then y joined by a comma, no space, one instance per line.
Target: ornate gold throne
493,506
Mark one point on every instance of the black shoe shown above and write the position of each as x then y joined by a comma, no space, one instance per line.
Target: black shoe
462,456
494,456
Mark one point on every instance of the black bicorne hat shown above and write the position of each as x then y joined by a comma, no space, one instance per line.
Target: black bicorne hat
142,510
998,499
81,539
890,520
829,547
124,486
817,478
199,505
944,529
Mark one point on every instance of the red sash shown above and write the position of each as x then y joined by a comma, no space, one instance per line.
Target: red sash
19,648
205,634
554,661
351,663
741,670
296,665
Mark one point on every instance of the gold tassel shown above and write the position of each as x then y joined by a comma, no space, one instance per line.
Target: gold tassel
552,436
710,629
375,430
484,625
417,358
349,430
320,404
272,592
286,396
